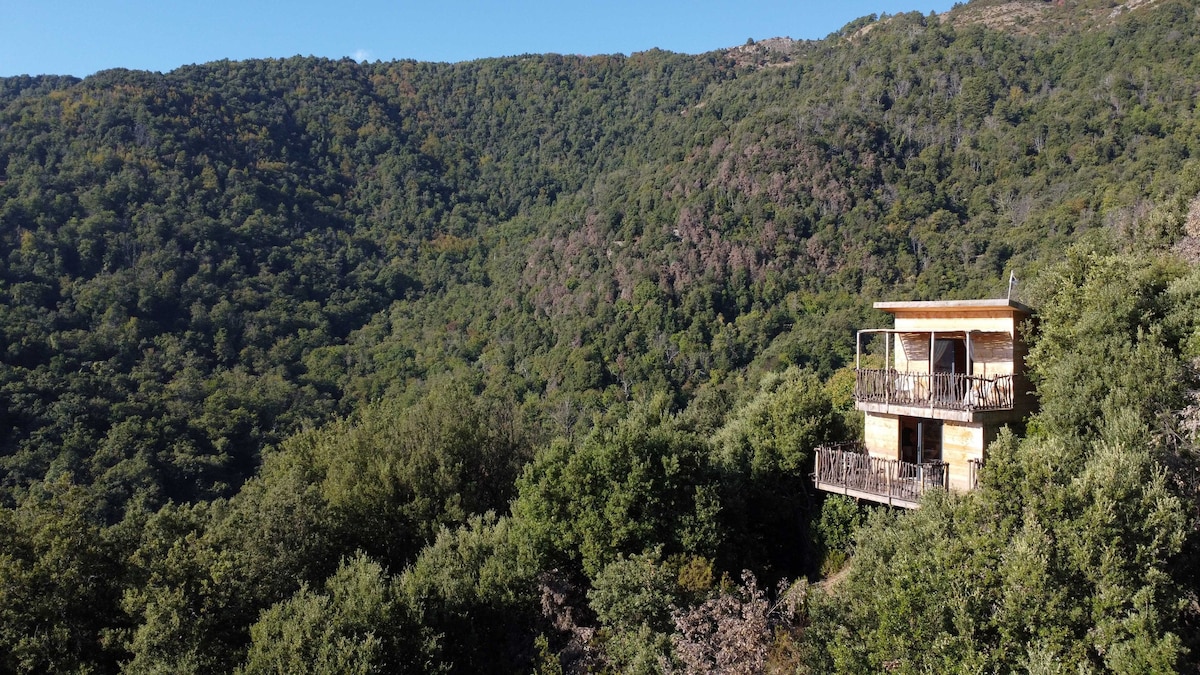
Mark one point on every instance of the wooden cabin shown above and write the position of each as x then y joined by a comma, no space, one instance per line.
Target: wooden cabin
952,375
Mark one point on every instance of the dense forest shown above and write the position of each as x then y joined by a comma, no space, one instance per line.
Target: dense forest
518,364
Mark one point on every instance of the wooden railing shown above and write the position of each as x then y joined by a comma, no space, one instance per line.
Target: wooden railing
974,466
955,391
886,480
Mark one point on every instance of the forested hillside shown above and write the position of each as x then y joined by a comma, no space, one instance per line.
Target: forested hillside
518,363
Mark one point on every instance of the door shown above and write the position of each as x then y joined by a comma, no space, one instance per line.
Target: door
950,355
920,440
949,364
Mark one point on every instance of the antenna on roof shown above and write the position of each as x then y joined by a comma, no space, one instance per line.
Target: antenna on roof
1012,283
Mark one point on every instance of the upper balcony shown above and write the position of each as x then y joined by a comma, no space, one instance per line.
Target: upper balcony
946,391
955,360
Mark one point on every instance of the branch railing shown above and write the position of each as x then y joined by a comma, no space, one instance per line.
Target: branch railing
974,466
957,391
854,469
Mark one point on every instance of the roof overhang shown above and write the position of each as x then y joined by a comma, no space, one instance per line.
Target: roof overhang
956,306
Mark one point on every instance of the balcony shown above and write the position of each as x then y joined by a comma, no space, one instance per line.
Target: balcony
962,375
944,391
847,469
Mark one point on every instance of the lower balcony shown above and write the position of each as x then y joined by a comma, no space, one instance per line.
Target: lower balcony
848,470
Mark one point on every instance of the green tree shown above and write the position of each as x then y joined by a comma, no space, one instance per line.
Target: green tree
765,452
205,572
395,474
625,490
1101,343
352,627
474,591
633,598
1045,564
61,575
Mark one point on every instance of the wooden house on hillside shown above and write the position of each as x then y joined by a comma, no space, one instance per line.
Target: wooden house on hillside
953,373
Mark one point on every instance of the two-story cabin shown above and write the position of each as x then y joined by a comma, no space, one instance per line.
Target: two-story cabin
952,375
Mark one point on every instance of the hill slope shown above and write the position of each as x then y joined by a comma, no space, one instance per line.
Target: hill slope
200,262
317,365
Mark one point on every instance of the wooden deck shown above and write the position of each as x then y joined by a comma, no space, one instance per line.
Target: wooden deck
849,470
947,391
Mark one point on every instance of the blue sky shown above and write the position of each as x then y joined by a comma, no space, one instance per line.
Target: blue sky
77,37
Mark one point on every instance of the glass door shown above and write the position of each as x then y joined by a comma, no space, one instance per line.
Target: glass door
920,440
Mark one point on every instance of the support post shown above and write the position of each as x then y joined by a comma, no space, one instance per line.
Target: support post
932,385
970,381
970,354
920,441
887,369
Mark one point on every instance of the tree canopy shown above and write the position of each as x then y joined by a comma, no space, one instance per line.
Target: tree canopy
519,364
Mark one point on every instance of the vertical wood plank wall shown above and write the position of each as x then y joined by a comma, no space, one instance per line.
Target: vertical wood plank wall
899,354
881,435
961,441
1000,321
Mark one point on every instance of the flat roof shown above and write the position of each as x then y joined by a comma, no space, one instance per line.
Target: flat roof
959,305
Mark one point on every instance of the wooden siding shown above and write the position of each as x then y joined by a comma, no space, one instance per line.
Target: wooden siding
881,436
994,321
992,353
961,442
908,357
